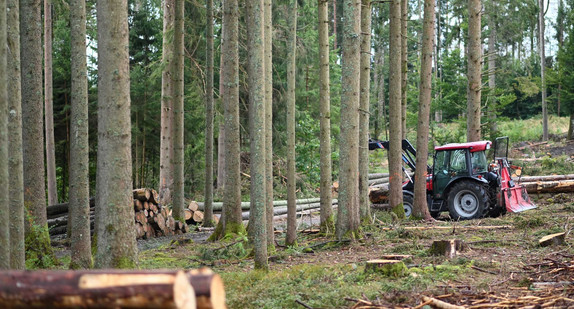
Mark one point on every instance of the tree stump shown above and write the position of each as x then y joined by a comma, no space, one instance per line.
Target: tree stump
448,248
390,268
552,239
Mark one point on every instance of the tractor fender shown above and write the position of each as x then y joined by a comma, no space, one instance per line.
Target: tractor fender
463,178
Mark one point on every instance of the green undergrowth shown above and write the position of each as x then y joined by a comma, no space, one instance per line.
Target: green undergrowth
325,286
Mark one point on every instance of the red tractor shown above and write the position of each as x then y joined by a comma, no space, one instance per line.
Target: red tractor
463,182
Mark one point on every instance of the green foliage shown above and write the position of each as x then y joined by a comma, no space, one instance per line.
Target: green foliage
39,252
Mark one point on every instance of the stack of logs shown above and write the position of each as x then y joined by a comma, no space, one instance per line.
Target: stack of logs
151,219
195,216
379,185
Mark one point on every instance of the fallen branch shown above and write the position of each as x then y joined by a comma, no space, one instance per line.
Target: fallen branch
441,304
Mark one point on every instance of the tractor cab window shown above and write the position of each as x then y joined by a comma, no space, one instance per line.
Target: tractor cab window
458,162
479,162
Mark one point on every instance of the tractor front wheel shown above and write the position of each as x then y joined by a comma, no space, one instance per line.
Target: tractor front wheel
467,200
408,205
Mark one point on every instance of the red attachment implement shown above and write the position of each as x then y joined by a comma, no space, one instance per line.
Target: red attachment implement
515,196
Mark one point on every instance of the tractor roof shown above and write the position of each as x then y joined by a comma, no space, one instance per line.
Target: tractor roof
473,146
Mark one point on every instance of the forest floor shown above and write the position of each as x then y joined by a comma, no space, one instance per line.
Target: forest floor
501,266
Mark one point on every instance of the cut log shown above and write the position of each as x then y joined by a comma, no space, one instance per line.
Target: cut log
146,205
558,186
441,304
138,205
198,216
111,289
543,178
391,268
188,214
59,209
552,239
154,197
161,226
142,194
141,217
208,286
218,206
140,231
453,227
448,248
193,206
379,195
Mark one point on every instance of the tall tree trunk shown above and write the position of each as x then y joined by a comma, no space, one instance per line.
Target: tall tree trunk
474,70
404,68
79,197
334,24
381,115
208,193
348,210
395,123
420,202
291,237
571,127
268,62
256,71
33,125
116,247
49,106
178,112
4,146
326,214
16,179
542,69
492,69
364,107
220,153
167,117
232,219
560,21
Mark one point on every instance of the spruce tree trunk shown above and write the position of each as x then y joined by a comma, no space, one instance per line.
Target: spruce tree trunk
232,216
348,210
381,115
16,172
178,112
492,69
256,70
49,107
208,193
395,123
420,202
404,70
32,111
474,70
268,62
326,214
541,50
364,107
291,237
4,146
116,237
79,196
571,127
167,118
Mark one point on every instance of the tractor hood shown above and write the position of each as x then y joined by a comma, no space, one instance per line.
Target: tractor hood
472,146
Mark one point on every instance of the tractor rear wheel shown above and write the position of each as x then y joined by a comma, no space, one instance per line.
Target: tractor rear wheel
467,200
408,205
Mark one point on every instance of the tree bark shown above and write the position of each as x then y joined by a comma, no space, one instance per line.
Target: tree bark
395,124
232,222
492,69
291,237
256,70
474,70
79,208
49,106
542,69
364,107
16,173
4,146
208,192
32,116
404,63
167,117
326,214
420,201
116,240
178,112
268,62
348,210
